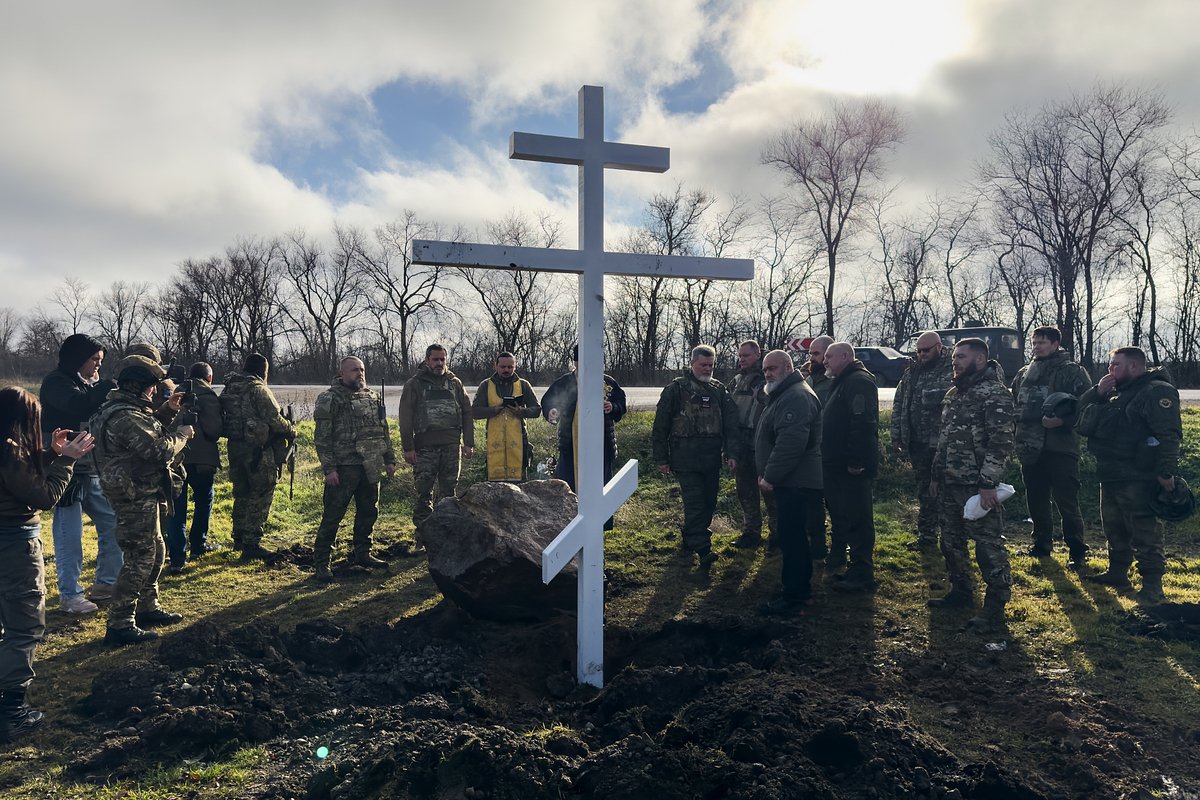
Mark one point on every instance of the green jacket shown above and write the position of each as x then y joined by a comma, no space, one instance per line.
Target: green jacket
137,455
917,407
787,443
1135,431
746,389
694,421
1036,381
435,411
976,439
23,492
820,382
350,432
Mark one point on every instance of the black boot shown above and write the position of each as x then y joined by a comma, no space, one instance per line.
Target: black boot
119,637
991,617
1116,576
961,595
16,717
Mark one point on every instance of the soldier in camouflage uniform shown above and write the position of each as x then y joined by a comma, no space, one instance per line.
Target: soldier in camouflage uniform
435,416
1048,446
746,389
354,446
1131,418
916,422
694,421
813,372
138,456
259,437
973,448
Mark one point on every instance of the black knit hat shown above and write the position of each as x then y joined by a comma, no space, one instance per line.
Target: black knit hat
76,349
256,364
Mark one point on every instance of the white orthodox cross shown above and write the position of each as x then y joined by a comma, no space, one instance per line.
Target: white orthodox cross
584,535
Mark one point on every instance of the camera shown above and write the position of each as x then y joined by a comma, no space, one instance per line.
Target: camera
177,373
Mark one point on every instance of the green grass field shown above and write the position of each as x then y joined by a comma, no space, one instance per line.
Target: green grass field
1068,634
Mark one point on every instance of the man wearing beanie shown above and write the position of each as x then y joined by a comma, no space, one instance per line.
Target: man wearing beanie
258,442
138,453
69,396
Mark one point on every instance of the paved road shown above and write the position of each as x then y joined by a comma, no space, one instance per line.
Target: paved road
641,398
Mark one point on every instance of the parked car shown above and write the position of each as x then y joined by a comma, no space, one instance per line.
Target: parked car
888,365
1004,345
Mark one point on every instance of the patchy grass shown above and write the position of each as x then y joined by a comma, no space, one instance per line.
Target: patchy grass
1066,642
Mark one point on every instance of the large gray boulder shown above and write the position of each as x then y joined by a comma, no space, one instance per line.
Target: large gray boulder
485,548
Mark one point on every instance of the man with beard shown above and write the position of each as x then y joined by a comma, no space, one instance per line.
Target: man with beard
916,422
435,417
694,421
1047,444
355,449
787,449
813,372
850,459
746,388
506,401
973,449
1131,418
201,460
69,396
138,454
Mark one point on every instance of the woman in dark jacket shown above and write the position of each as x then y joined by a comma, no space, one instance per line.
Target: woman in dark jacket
31,480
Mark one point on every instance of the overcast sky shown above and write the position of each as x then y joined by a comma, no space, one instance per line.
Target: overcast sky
137,134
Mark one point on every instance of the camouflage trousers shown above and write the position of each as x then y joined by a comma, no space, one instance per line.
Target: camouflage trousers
929,517
352,485
1054,475
751,499
139,534
1131,527
436,468
698,490
253,491
988,536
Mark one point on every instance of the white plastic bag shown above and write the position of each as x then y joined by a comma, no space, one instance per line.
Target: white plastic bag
973,509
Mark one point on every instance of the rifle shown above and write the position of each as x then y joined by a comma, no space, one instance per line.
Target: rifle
382,408
289,458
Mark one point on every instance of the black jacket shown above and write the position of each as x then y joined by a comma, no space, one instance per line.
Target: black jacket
850,423
202,450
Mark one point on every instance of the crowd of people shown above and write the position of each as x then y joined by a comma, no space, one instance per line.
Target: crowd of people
801,441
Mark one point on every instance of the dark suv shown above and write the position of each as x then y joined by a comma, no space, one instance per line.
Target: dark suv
1004,345
886,364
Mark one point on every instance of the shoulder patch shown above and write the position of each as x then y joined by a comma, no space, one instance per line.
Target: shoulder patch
789,416
1165,402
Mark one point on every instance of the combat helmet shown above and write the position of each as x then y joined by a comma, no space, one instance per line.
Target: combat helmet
1059,404
1176,505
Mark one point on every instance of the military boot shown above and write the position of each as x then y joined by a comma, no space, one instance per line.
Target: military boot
991,617
961,595
1116,576
1151,593
252,552
16,717
119,637
363,558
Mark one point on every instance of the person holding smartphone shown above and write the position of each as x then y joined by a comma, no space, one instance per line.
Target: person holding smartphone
506,400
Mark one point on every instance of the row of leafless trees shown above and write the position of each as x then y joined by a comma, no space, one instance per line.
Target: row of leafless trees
1085,214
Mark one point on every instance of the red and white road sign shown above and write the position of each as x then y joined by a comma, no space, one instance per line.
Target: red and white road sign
798,344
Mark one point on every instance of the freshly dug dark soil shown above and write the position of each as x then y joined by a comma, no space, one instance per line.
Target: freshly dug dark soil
721,706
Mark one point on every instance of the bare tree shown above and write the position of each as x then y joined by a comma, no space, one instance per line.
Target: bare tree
75,301
836,162
904,253
10,324
121,313
1057,178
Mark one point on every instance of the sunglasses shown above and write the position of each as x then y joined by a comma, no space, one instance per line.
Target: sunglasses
926,349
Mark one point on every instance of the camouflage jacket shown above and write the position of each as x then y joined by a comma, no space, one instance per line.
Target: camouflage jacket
814,375
976,439
435,411
693,422
250,412
746,389
350,431
1036,381
1135,431
917,408
137,455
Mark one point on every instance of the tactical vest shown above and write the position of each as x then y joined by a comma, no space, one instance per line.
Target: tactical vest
505,439
438,409
1115,435
699,414
118,476
238,422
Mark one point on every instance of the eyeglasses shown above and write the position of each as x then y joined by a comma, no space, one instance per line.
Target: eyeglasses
926,349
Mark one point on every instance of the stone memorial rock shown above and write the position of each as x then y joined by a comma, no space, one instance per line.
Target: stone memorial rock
485,548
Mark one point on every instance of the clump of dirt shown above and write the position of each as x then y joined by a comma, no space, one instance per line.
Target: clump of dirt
444,706
1176,621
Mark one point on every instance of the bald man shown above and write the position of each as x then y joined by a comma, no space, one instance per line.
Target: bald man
787,451
916,423
850,461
